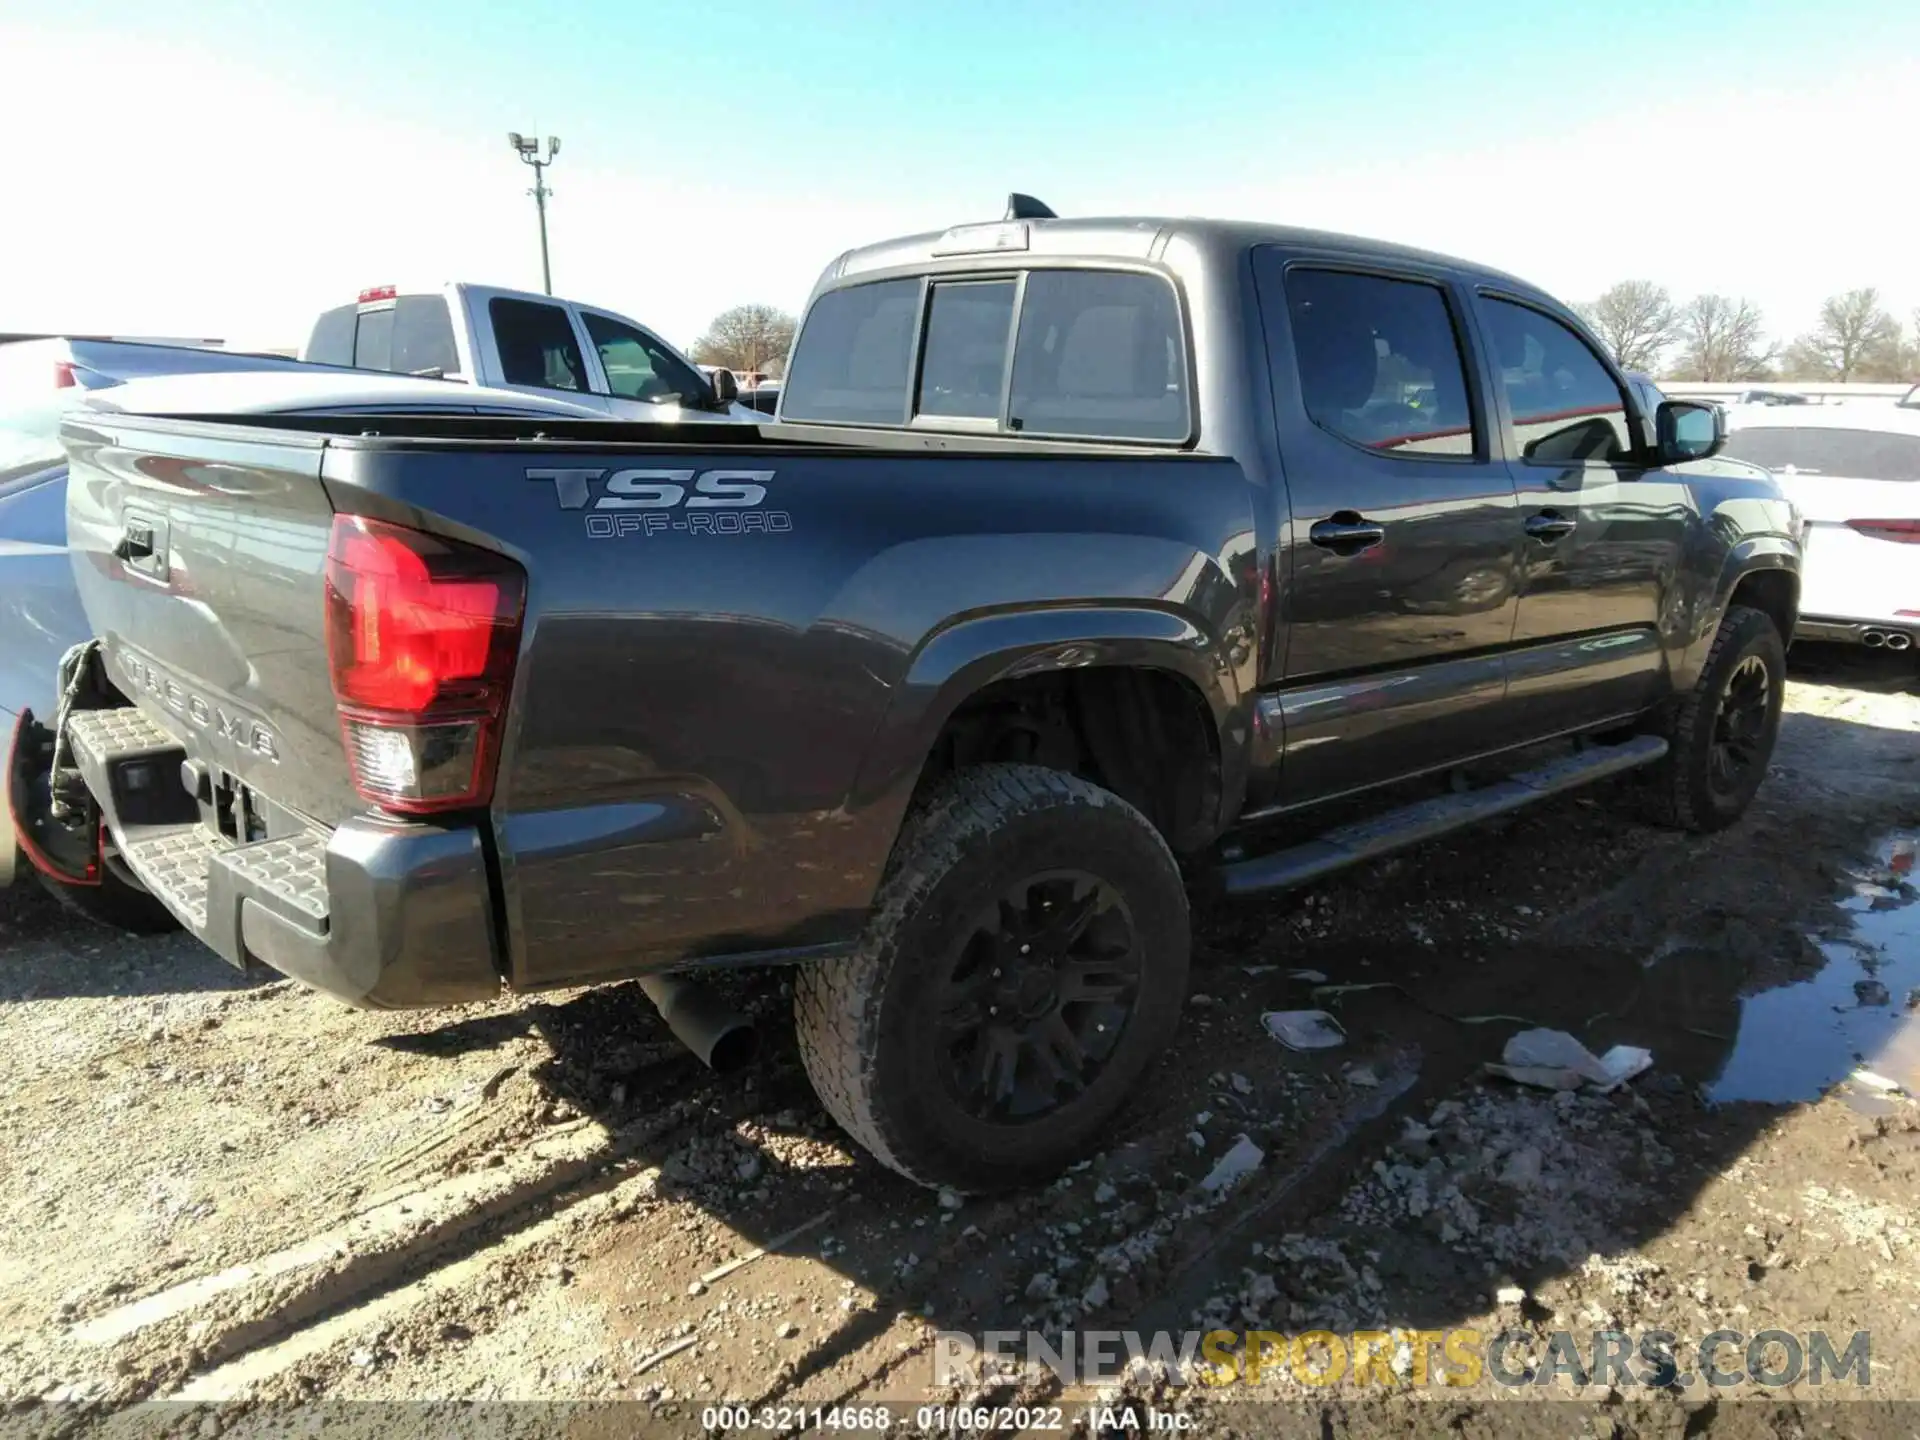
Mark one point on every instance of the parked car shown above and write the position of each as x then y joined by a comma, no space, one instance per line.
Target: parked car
1854,473
515,340
1770,397
1086,548
40,611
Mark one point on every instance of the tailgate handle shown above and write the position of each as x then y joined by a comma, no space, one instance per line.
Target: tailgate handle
136,543
142,546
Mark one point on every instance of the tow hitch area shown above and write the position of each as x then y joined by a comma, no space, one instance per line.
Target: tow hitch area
65,846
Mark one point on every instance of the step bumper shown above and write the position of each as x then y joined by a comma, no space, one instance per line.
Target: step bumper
383,914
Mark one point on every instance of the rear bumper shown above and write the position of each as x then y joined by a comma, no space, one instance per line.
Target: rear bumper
381,913
1857,632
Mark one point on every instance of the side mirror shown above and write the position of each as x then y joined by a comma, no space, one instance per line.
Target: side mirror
726,389
1688,430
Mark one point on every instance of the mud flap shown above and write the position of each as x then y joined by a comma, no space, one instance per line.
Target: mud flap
66,849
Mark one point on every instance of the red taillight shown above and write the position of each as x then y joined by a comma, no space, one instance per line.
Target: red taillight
63,376
378,292
1905,531
421,635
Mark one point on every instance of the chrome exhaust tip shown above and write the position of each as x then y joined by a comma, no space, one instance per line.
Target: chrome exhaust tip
1873,639
1898,640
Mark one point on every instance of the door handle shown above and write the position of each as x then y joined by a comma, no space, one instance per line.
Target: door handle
1346,533
1549,526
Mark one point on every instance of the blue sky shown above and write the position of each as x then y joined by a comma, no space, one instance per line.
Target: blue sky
207,168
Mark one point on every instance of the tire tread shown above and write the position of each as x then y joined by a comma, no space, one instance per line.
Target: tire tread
836,1002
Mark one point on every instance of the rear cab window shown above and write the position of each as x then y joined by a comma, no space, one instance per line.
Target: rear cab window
398,334
1072,353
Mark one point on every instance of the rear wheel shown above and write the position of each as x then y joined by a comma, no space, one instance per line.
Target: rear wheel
115,902
1722,732
1026,962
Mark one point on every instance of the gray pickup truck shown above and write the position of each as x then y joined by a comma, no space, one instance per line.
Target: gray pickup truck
1080,552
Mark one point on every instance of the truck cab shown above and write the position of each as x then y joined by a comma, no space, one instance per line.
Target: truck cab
515,340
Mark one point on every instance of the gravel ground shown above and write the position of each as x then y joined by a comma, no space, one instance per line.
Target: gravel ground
228,1193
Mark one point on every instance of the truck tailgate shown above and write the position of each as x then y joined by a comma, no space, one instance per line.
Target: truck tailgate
200,562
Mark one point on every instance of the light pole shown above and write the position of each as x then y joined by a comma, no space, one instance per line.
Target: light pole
527,147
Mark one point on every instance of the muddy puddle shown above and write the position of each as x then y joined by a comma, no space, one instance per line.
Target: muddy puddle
1861,1011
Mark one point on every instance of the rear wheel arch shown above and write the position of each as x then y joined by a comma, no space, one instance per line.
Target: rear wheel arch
1149,672
1143,732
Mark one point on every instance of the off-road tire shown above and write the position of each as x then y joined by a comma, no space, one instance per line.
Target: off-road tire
864,1021
114,903
1680,791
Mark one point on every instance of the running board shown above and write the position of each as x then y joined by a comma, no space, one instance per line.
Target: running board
1367,839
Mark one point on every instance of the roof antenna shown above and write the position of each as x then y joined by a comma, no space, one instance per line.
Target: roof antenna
1025,207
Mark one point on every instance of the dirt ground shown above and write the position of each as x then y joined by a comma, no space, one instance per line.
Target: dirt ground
220,1194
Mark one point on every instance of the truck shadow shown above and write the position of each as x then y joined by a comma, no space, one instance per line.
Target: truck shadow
49,953
1569,917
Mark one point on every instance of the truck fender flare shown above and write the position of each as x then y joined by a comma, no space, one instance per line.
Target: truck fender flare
963,658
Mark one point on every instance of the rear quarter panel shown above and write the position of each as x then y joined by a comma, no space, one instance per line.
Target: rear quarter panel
716,727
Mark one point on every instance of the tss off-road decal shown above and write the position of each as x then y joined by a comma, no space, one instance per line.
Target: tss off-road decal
654,502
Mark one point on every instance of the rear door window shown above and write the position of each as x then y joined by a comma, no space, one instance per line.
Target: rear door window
1100,354
965,357
536,345
853,360
1380,362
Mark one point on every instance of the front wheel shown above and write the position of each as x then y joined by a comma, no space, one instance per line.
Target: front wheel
1026,962
1722,732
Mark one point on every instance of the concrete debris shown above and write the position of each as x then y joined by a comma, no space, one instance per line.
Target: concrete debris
1554,1060
1304,1029
1233,1167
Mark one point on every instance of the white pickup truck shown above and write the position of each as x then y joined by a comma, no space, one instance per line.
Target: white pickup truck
514,340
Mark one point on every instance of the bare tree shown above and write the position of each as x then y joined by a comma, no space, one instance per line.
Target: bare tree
1856,339
747,338
1721,339
1636,321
